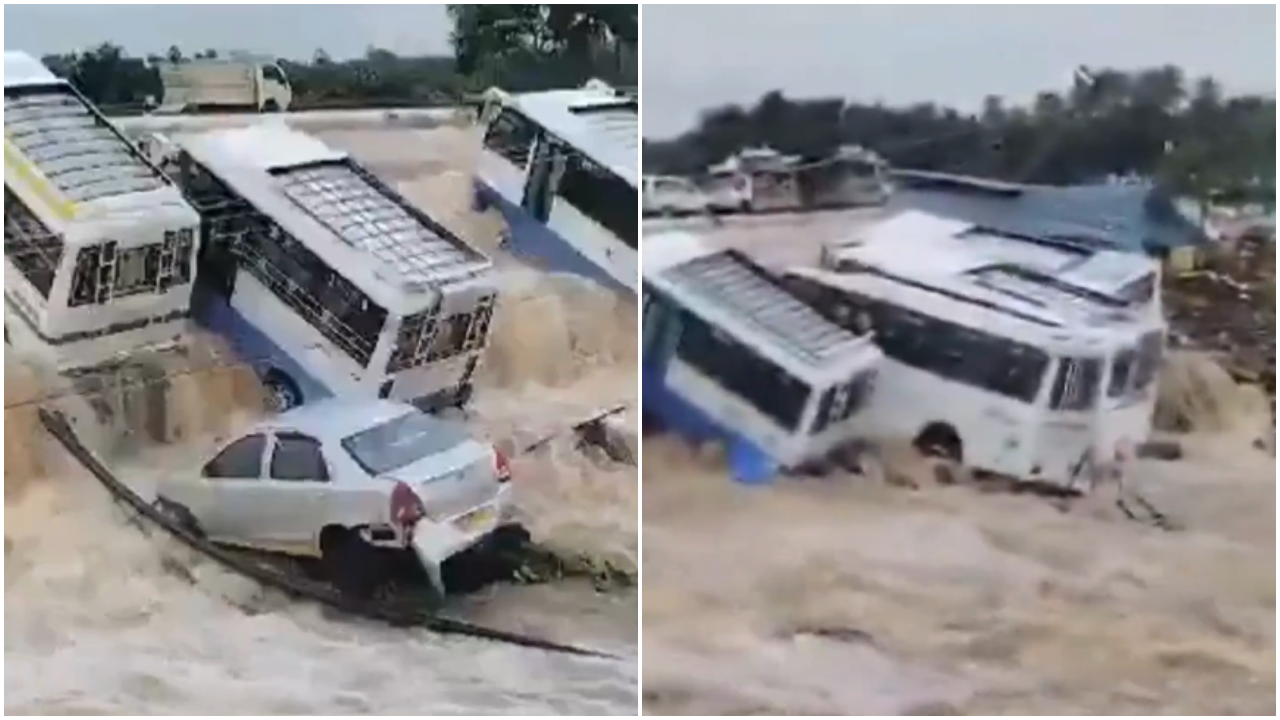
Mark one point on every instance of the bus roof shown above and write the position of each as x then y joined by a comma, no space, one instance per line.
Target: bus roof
663,250
960,263
352,221
941,245
61,154
600,123
731,292
21,69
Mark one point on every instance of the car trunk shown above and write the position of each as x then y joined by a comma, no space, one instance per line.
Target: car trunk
452,482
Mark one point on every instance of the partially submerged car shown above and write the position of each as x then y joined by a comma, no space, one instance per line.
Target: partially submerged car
370,487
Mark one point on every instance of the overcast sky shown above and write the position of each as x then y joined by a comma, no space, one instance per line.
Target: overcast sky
290,31
700,56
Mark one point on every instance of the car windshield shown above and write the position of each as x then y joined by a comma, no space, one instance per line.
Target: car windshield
402,441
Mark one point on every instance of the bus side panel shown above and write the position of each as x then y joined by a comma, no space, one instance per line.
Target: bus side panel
595,243
905,400
729,420
249,340
534,242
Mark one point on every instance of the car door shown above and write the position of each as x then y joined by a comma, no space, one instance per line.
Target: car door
298,486
232,489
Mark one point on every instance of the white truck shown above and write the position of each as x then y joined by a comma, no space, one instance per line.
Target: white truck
224,85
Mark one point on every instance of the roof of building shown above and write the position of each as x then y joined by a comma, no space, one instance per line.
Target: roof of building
1131,217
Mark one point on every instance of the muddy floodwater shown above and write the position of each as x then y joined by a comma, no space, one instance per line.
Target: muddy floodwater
98,622
837,596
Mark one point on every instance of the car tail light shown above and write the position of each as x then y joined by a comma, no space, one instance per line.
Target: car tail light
406,507
501,466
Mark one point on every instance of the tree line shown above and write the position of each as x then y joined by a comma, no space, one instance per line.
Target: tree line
1151,123
517,47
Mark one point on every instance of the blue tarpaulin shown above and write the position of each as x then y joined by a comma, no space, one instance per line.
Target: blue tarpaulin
1134,217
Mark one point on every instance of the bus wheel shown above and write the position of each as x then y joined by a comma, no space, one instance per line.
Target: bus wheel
941,442
282,392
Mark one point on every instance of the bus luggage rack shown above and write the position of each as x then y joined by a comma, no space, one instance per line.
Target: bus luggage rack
731,280
78,152
354,208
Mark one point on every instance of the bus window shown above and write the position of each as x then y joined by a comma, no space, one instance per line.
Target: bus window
511,135
742,372
450,337
965,355
602,196
1121,373
321,296
1147,364
1075,387
29,245
841,402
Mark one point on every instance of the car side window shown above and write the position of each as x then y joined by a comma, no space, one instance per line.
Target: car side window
298,457
241,459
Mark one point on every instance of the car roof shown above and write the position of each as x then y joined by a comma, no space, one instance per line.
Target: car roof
335,418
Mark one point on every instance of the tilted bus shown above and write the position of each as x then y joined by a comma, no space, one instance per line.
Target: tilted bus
563,167
730,355
326,279
99,245
996,355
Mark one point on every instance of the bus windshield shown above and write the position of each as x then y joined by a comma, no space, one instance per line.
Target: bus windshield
840,402
738,369
1134,369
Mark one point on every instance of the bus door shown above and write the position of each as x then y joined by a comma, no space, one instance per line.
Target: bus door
1069,433
1128,399
545,166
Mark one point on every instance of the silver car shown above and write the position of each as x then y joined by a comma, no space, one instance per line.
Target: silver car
359,483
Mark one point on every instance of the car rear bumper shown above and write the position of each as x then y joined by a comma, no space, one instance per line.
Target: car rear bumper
435,542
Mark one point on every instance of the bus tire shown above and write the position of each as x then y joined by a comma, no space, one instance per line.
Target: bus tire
351,564
282,392
940,441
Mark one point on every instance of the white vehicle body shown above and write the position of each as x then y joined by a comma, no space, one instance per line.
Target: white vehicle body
99,245
1025,360
563,167
326,279
731,355
672,196
222,85
728,190
399,478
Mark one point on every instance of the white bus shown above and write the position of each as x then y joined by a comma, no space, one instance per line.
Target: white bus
563,166
98,244
1009,366
325,279
730,355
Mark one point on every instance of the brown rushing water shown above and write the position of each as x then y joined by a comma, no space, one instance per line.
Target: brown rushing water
96,624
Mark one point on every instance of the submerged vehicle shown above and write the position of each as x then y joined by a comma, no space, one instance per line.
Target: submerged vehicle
370,487
324,278
730,354
1019,359
562,166
99,244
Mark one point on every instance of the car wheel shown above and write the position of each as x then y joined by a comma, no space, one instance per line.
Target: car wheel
352,565
282,392
179,515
